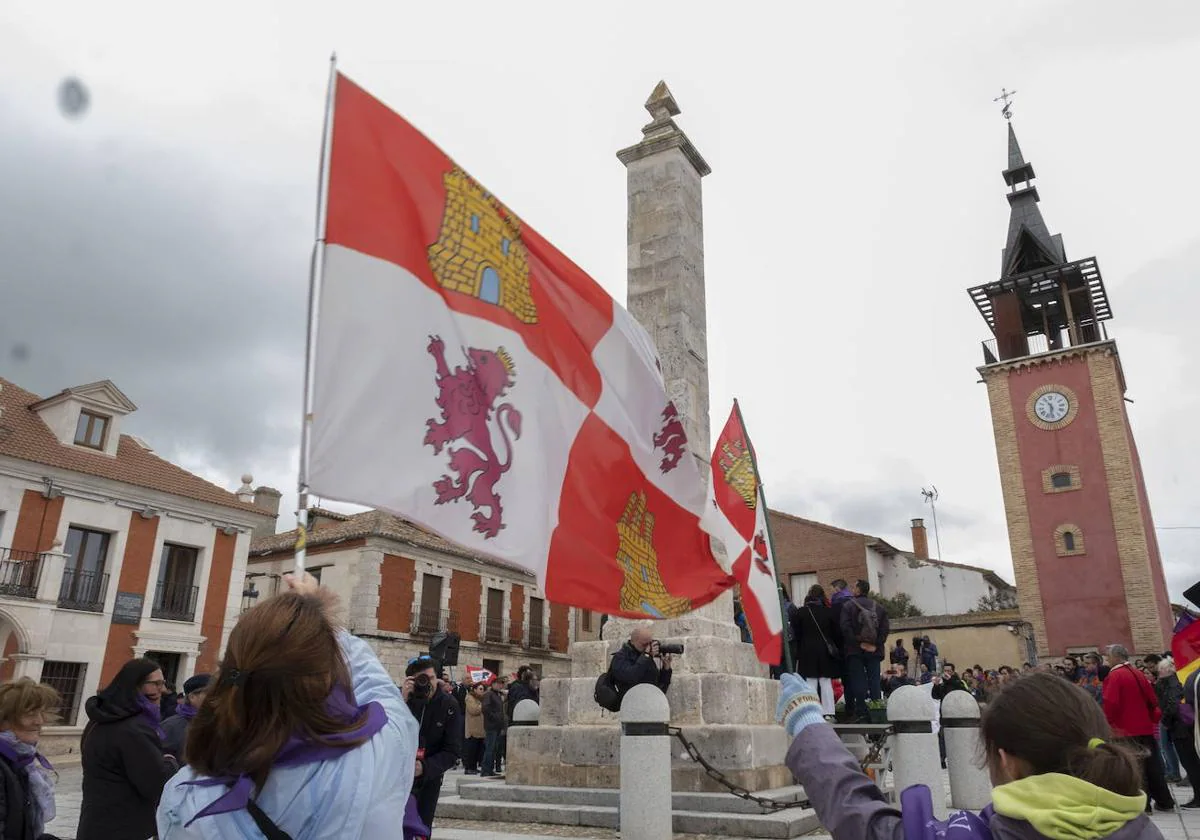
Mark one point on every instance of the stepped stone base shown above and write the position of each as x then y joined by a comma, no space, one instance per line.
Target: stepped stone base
694,813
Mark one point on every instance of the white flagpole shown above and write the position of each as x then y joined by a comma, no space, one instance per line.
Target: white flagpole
316,274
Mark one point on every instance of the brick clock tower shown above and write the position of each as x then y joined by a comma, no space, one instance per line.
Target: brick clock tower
1079,525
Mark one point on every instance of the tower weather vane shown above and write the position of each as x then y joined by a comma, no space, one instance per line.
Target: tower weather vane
1005,97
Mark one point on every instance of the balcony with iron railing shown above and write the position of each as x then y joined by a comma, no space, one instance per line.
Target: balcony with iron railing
175,602
82,590
426,622
20,573
497,631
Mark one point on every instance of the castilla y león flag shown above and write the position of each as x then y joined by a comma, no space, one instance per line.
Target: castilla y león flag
737,514
470,378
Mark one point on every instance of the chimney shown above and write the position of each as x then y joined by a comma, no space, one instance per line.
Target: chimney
920,539
266,498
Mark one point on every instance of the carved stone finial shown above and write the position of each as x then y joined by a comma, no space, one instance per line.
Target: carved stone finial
661,103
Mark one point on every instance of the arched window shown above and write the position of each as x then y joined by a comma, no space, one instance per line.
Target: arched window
1069,540
1060,480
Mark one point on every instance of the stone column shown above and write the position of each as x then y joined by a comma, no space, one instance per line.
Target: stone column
719,693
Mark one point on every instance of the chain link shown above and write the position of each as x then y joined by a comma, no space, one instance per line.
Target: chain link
873,755
719,777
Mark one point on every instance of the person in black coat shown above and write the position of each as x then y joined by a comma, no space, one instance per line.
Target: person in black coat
26,778
124,768
440,740
634,663
175,728
818,641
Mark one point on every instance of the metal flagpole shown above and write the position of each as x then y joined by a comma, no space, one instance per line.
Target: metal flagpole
316,274
762,500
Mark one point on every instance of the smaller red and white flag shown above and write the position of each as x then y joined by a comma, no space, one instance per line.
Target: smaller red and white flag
737,514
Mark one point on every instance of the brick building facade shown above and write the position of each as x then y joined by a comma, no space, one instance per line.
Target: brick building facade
399,584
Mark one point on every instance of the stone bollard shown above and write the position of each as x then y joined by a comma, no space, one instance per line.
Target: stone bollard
645,805
526,713
916,759
970,785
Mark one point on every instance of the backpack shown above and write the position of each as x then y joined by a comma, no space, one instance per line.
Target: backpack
868,627
606,693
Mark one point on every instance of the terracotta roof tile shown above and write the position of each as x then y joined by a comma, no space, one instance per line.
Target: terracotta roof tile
25,436
372,523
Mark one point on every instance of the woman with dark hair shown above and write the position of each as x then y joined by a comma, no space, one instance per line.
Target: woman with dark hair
1048,750
123,764
301,734
26,777
818,645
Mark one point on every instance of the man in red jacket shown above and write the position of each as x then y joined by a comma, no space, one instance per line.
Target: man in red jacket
1132,711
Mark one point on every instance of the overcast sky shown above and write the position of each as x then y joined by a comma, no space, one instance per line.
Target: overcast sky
162,239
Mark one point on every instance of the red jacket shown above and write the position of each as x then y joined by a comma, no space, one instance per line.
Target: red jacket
1129,703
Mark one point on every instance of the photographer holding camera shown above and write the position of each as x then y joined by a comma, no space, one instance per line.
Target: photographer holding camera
439,744
634,664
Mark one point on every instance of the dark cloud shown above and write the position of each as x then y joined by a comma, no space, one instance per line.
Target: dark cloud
132,262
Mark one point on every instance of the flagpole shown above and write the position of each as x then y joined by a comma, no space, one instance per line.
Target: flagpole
762,500
316,274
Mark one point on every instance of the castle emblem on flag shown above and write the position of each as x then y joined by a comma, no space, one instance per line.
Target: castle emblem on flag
738,469
643,590
671,439
468,399
760,553
479,251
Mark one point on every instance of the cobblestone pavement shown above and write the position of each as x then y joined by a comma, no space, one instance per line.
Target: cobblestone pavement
1180,825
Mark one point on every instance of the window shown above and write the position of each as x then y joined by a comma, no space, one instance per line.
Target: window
1060,480
91,430
175,595
315,571
537,636
67,679
586,620
493,627
427,616
800,584
1068,541
496,666
84,581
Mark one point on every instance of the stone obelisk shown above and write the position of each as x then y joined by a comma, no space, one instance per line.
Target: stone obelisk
719,694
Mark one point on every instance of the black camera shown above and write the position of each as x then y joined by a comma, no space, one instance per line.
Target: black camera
422,687
665,648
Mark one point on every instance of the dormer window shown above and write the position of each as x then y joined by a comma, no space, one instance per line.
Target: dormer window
91,430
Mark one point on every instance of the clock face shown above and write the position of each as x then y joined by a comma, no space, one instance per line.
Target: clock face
1051,407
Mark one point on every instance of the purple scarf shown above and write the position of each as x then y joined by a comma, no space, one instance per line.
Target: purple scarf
298,751
413,828
22,760
152,713
186,710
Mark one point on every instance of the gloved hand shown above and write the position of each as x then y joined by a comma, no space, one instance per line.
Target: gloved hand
799,706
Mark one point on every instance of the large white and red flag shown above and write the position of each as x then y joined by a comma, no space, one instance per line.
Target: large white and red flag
472,379
737,514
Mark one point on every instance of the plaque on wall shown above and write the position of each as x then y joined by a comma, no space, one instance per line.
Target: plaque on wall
127,608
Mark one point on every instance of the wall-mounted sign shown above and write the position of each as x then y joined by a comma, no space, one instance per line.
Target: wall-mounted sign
127,609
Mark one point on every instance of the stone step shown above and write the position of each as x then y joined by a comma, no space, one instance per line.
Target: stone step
608,797
793,822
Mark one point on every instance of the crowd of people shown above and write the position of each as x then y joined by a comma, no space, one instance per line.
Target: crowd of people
301,733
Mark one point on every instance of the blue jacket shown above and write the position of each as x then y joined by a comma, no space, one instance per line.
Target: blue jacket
360,795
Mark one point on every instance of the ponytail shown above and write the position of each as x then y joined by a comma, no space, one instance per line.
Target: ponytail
1113,767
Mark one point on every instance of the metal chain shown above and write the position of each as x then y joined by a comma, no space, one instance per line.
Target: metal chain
873,755
719,777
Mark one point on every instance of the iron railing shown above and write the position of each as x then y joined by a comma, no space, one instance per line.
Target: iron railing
496,631
537,636
427,622
83,590
175,602
20,573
